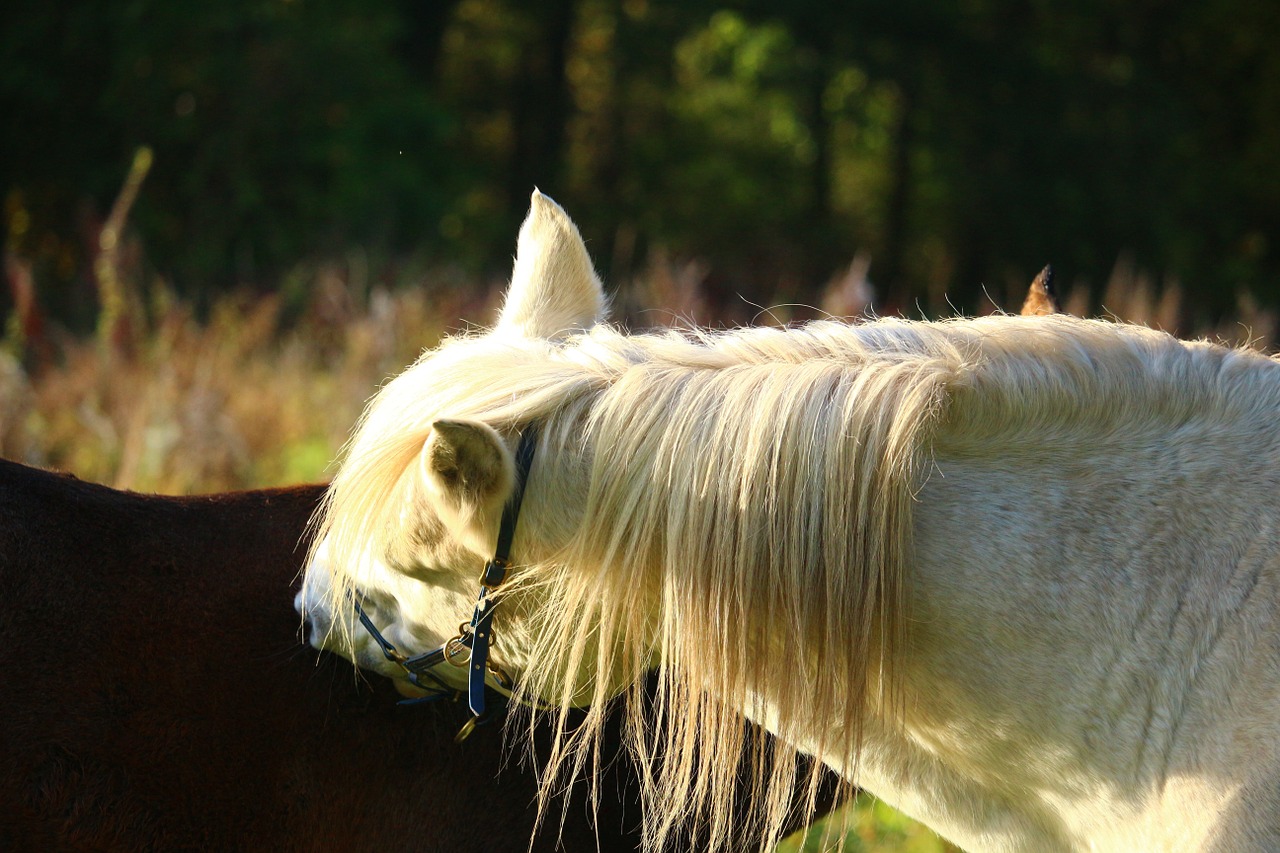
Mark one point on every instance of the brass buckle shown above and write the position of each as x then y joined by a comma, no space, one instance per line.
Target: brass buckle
484,573
453,652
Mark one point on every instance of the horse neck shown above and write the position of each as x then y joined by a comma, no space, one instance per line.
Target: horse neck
747,559
1086,592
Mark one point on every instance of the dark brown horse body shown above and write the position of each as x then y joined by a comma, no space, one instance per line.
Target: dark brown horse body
156,696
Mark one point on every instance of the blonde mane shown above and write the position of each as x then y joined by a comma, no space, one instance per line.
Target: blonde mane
748,513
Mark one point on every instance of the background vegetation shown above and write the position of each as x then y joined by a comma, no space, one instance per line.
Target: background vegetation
226,223
955,147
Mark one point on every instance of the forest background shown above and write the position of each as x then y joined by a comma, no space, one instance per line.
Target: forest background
953,147
226,223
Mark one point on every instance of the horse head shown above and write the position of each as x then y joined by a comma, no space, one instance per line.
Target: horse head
417,506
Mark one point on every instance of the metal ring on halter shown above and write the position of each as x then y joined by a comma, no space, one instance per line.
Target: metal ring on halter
453,649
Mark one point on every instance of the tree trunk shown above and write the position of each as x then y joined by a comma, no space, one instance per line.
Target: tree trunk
891,276
540,110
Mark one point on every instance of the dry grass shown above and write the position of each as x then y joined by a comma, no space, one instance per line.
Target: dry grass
165,403
159,401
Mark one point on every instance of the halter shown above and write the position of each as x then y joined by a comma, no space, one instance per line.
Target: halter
473,636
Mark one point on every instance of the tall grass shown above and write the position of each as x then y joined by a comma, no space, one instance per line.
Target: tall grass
247,397
264,389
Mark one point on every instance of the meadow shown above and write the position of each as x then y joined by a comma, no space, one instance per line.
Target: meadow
262,389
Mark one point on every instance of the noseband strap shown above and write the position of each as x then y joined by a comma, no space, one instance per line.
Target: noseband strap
476,635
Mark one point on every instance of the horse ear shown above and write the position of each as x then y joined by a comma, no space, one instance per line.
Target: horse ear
554,288
467,464
1042,298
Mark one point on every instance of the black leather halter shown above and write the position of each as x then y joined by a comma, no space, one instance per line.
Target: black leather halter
476,635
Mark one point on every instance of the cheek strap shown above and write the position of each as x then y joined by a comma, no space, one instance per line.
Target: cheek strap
494,575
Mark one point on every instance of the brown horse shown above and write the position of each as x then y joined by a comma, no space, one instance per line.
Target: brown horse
156,696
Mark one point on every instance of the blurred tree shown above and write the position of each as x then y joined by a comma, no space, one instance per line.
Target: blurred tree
279,128
959,146
421,41
540,104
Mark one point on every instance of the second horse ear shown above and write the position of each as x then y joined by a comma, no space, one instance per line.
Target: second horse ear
1042,297
554,288
466,464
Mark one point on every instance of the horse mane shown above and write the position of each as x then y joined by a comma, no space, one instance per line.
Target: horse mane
748,512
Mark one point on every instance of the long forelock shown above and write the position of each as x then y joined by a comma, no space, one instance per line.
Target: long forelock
747,527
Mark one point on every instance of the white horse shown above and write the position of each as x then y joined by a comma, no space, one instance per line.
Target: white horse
1017,576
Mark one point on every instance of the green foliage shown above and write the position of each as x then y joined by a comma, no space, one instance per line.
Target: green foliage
740,141
279,129
873,827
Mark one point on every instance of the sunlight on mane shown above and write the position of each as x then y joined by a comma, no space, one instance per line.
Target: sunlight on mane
748,514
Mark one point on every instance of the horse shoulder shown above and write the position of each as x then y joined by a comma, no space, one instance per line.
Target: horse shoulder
1096,628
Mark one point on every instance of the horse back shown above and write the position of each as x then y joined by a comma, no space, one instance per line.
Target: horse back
158,696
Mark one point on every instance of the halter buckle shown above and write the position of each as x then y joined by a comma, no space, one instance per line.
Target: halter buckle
495,573
453,650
